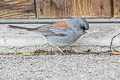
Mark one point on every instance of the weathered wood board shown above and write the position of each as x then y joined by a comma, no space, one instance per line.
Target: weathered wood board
17,9
73,8
116,7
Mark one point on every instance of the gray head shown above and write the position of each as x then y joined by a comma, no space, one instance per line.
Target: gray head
80,23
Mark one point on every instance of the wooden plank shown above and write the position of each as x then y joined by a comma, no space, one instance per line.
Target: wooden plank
73,8
17,9
116,7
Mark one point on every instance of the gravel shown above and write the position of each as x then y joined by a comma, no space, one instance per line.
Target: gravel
60,67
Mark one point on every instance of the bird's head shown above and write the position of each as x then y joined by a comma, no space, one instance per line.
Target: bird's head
78,23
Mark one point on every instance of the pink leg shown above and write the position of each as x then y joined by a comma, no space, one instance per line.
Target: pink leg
60,49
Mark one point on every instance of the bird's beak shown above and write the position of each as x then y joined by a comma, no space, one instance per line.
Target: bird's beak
86,31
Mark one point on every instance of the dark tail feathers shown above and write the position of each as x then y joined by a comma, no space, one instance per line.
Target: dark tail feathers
17,27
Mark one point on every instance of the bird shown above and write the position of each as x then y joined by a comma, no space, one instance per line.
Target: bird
62,33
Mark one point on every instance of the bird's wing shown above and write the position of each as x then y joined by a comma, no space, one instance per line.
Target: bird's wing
49,30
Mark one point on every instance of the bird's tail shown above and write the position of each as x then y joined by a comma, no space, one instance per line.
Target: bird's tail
18,27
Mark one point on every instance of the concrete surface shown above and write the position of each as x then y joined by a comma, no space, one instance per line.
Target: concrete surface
60,67
97,39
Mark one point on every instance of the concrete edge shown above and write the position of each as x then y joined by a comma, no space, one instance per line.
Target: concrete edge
98,40
47,21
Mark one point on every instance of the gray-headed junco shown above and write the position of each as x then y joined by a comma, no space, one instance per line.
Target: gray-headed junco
61,33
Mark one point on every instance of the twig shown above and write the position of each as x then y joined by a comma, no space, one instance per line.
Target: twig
112,43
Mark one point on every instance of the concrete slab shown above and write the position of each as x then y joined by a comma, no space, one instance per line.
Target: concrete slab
99,38
96,40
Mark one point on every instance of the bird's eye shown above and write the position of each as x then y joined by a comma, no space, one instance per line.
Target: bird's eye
83,27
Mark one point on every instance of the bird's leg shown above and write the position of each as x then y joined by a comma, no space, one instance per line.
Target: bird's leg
51,50
60,49
71,48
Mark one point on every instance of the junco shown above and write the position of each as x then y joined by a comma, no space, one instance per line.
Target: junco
61,33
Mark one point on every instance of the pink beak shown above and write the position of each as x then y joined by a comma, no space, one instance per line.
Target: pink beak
86,31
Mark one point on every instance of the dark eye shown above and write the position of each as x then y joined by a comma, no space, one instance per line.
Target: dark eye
82,27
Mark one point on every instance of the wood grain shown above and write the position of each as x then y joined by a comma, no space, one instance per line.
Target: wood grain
17,9
73,8
116,7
